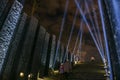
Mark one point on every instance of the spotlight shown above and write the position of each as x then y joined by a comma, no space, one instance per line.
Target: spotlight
105,67
108,72
56,71
21,74
75,62
29,76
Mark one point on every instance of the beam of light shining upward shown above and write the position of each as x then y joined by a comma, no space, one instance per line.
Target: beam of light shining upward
105,38
83,16
80,42
78,35
93,26
62,26
70,36
96,23
76,42
71,59
95,31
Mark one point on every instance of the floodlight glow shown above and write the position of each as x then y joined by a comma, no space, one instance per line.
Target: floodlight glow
61,30
70,36
83,16
105,39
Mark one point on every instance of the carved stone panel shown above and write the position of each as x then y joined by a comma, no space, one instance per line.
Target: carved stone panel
27,46
8,29
14,47
38,50
45,48
44,54
52,53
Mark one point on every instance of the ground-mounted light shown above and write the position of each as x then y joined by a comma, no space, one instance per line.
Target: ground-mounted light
75,62
92,58
29,76
56,71
108,72
105,67
22,74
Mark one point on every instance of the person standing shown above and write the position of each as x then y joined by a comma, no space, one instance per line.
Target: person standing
61,70
67,69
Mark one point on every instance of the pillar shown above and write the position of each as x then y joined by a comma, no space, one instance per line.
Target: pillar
27,48
7,31
112,19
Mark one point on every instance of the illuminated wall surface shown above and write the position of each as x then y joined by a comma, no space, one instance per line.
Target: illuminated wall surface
52,51
8,30
113,10
26,47
114,15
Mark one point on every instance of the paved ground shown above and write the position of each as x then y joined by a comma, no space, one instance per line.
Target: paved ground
88,71
85,71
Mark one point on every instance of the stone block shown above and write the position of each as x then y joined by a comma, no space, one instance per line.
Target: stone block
44,55
14,46
45,48
8,29
27,47
38,50
52,53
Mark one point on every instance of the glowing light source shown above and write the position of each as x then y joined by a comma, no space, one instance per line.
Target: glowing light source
61,30
55,71
105,67
96,24
105,38
92,58
29,76
95,29
80,42
85,20
76,42
21,74
70,36
75,62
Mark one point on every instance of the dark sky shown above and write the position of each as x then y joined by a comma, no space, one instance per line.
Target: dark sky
50,14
